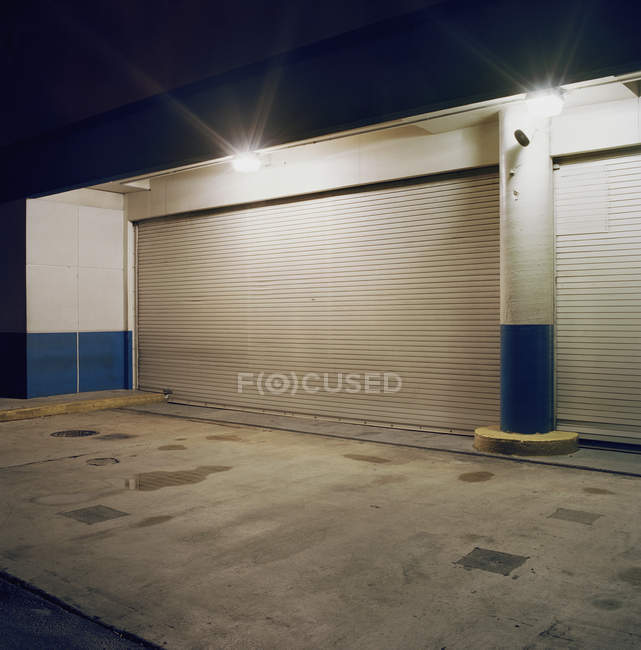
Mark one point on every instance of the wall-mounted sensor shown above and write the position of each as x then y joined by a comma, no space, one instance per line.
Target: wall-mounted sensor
521,138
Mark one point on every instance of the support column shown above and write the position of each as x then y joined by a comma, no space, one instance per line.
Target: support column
527,292
13,311
527,274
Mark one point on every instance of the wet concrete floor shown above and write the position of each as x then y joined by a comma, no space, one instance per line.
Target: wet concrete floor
220,536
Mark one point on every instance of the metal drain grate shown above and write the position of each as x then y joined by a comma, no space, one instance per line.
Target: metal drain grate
575,516
492,561
94,514
74,433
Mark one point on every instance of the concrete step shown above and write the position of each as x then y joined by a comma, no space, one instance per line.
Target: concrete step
25,409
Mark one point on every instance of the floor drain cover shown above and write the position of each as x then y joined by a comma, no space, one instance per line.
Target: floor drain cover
94,514
576,516
492,561
74,433
102,461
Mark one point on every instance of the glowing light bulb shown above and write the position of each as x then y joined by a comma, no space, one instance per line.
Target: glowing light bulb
544,103
246,162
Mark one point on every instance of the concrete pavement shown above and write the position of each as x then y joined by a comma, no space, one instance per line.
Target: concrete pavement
201,535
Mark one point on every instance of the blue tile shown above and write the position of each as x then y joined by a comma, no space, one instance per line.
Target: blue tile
51,364
104,360
129,360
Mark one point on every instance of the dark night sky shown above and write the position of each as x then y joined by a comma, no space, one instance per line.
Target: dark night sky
67,60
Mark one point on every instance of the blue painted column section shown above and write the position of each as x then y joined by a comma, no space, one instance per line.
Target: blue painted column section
527,378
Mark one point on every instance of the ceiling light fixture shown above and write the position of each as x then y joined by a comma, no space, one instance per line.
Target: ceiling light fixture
246,162
544,103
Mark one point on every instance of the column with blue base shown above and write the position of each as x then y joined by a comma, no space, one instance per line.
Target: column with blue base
527,293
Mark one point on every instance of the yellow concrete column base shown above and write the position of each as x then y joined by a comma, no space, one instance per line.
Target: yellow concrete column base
64,406
553,443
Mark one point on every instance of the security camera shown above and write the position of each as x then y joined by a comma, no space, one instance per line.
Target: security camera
521,138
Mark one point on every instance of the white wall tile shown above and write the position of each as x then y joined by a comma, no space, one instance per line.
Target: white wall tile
101,238
52,299
101,305
52,233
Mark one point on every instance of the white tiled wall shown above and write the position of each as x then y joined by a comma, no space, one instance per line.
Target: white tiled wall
52,233
76,264
100,299
52,298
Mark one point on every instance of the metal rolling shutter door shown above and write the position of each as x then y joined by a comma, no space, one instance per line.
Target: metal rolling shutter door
399,278
598,297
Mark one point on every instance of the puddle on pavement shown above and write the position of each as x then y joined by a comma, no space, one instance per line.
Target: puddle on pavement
171,447
592,490
475,477
116,436
99,462
149,481
607,604
224,436
153,521
367,459
631,576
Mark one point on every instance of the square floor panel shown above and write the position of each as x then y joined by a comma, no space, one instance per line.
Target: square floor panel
94,514
576,516
492,561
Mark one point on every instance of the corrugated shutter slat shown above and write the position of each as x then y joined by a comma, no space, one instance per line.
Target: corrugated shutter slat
402,278
598,297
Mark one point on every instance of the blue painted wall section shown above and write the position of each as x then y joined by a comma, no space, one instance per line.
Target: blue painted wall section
51,364
527,397
59,363
104,360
